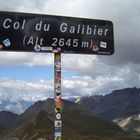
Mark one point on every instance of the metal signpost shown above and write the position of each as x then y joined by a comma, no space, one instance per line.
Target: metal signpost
57,97
22,32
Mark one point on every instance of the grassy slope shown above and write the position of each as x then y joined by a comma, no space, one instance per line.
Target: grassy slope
82,127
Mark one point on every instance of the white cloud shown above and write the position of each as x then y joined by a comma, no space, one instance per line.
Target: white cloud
16,90
26,59
95,74
16,108
85,86
29,91
78,63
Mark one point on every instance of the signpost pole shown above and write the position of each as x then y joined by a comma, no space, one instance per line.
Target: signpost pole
57,97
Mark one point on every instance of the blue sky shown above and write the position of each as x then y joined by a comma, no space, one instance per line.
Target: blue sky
82,75
31,73
26,73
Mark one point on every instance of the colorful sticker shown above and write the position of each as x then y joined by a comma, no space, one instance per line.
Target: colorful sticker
55,51
58,138
58,95
57,85
103,44
57,110
59,49
57,57
58,106
58,88
57,133
95,48
58,123
37,48
58,100
57,80
58,116
6,42
57,65
58,74
44,48
1,46
58,129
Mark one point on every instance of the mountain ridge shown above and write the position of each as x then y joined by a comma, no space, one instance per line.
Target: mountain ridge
78,124
120,103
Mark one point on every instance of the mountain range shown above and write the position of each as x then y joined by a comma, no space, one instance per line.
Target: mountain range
115,116
78,124
17,107
119,104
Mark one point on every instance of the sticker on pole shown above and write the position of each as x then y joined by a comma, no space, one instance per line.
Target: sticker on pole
55,34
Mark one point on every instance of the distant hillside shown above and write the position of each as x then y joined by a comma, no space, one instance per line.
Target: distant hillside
91,102
119,104
34,110
78,124
17,107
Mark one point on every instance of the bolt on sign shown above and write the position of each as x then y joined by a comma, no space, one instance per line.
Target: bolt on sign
56,34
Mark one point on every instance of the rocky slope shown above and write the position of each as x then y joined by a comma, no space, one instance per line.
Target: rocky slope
78,124
119,104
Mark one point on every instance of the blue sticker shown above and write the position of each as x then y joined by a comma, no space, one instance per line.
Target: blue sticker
57,129
58,64
6,42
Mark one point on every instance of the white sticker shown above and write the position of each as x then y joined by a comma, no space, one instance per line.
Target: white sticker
58,123
46,48
37,48
103,44
58,116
